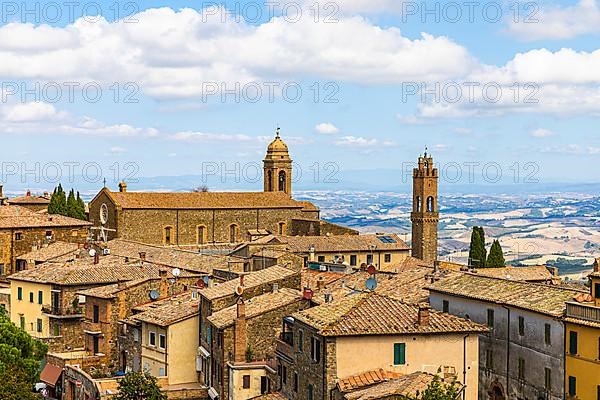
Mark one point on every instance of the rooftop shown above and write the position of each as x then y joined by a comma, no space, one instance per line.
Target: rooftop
365,379
14,217
540,298
252,279
256,306
29,199
527,274
203,200
375,314
333,244
111,291
168,311
50,252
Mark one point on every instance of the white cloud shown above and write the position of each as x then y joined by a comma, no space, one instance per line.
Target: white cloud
31,112
327,128
542,133
189,136
356,141
557,22
463,131
573,149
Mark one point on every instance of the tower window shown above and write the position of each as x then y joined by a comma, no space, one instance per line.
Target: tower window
168,234
270,181
282,181
201,234
430,204
419,204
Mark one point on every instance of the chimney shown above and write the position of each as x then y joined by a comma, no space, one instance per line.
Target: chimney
242,280
311,252
597,265
164,284
96,258
423,318
275,287
46,195
123,187
143,255
28,193
320,283
240,343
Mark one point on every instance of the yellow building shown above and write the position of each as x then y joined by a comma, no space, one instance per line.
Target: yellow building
582,365
169,338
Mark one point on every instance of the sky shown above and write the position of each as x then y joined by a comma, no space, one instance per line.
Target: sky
120,90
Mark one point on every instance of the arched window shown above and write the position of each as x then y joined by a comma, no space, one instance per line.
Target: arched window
270,181
282,181
430,204
419,204
201,234
282,228
233,228
168,235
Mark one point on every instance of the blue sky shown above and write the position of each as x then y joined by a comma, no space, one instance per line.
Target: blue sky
357,71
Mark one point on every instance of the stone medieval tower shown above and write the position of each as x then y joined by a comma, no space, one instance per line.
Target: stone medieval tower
425,216
278,167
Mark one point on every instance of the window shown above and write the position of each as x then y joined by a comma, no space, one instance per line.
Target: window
2,267
56,329
40,297
20,293
599,348
315,349
162,341
547,335
369,258
39,325
18,236
419,202
597,290
31,297
521,326
310,392
48,234
161,371
489,359
282,230
321,258
547,378
246,381
22,322
300,341
232,233
282,181
201,234
490,318
295,382
446,306
430,204
573,343
284,374
168,232
353,260
399,353
572,386
387,257
152,338
521,369
96,313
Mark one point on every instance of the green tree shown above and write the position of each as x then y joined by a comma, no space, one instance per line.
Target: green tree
20,360
58,202
438,390
52,207
496,257
80,208
477,252
139,386
71,205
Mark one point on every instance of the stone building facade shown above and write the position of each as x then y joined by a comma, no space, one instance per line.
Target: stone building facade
425,214
207,217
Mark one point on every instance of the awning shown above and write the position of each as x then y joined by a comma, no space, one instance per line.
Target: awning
50,374
213,394
203,352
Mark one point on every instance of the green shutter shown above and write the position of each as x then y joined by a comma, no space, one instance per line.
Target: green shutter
399,353
20,293
573,342
572,386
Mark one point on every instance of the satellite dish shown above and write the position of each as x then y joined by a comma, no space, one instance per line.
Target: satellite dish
154,295
176,272
239,290
371,283
92,253
371,269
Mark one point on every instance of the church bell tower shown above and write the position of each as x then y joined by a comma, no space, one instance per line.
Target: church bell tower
277,167
425,215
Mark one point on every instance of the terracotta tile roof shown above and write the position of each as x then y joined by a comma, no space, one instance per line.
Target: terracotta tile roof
50,252
541,298
15,217
169,311
83,271
170,256
252,279
29,200
365,379
527,274
204,200
311,277
332,244
50,374
408,386
256,306
111,291
374,314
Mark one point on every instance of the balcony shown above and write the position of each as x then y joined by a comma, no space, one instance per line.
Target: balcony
587,312
62,312
284,346
92,327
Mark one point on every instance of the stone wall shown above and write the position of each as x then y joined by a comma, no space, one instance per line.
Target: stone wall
327,228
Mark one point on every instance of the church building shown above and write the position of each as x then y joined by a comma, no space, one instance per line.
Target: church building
190,218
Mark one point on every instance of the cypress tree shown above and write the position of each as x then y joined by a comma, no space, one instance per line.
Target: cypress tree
61,202
484,252
496,257
477,251
71,210
53,206
80,208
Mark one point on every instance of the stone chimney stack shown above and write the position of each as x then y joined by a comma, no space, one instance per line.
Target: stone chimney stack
123,187
597,265
240,338
311,252
164,284
423,318
143,255
96,258
320,283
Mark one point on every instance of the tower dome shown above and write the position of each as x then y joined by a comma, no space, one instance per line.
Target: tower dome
277,167
277,148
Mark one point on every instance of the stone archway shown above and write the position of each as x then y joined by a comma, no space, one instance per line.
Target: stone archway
496,391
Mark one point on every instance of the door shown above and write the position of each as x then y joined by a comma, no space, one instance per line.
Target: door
96,342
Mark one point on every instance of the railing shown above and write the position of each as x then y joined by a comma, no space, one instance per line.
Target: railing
586,312
287,337
284,348
62,311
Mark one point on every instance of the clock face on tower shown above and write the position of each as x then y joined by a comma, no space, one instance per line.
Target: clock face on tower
103,214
